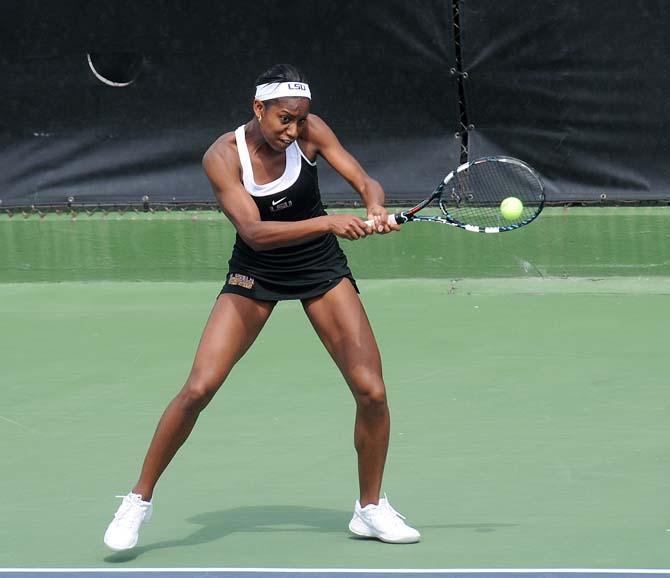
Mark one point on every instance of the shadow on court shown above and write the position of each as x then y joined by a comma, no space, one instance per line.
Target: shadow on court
217,525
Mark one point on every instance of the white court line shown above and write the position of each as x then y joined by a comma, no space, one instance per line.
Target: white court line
103,570
16,423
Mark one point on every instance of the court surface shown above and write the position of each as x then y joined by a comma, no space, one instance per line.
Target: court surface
331,573
529,429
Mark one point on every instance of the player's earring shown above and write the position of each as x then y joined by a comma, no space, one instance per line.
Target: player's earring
260,118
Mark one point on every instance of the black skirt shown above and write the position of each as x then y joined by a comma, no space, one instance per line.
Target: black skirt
298,272
247,286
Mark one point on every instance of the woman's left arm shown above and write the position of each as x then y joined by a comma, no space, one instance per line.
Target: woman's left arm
319,135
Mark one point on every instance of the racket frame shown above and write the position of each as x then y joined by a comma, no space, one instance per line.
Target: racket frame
447,219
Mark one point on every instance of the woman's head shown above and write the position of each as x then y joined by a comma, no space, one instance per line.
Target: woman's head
281,73
281,104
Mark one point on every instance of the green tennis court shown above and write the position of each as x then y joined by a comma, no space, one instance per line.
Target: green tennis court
527,378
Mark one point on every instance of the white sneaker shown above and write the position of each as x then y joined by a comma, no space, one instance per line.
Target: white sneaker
381,521
123,531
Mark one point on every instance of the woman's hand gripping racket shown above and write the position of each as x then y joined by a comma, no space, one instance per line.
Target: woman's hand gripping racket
487,195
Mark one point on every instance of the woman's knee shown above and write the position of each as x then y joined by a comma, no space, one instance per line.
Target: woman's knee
199,390
370,393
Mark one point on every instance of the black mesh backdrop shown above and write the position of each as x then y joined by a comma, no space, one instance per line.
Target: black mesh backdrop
379,72
577,89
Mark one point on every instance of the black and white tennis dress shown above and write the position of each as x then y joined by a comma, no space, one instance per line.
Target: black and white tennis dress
297,272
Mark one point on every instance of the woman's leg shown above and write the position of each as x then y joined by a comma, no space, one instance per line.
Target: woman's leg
340,321
232,327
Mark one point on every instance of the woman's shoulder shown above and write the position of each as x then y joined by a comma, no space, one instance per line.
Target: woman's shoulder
312,137
315,124
224,143
223,149
223,146
317,130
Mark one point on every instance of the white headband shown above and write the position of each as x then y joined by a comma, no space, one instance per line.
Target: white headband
281,90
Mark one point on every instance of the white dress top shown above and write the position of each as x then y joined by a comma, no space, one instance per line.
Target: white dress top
290,175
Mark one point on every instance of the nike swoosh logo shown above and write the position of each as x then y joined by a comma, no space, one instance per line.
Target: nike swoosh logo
274,203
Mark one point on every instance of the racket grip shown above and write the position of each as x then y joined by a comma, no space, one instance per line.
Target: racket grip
392,220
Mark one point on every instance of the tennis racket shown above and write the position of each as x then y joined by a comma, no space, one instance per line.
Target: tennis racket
470,197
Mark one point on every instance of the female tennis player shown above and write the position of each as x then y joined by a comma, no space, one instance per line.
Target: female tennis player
264,177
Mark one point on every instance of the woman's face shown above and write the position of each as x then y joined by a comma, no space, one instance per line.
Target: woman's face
282,120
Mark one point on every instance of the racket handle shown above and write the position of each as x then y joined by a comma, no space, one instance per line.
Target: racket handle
392,220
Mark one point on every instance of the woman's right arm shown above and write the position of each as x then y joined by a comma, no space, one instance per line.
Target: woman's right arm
222,168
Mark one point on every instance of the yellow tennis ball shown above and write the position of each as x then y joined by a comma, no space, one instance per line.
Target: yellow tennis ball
511,208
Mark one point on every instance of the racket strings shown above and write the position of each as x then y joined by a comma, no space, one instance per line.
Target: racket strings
475,193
